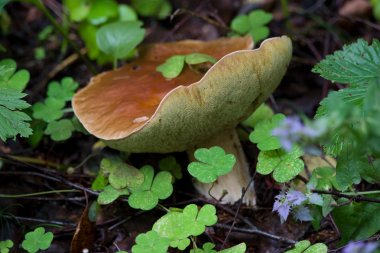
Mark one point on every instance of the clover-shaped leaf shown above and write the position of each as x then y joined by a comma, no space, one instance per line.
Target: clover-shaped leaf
208,247
285,166
63,91
9,78
323,178
240,248
60,130
110,194
5,246
120,174
37,240
153,188
174,65
49,110
261,113
212,163
178,226
170,164
262,135
304,247
150,242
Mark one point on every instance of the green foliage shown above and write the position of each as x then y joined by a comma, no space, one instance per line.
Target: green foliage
150,242
39,53
37,240
262,134
154,188
174,65
209,248
170,164
357,221
13,120
261,113
60,130
323,178
110,194
5,246
253,24
153,8
64,90
212,163
285,166
10,78
376,8
178,226
119,39
306,247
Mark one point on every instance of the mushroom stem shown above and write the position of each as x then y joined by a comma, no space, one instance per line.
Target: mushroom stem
228,188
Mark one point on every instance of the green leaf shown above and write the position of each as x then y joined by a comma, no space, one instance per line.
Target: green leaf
170,164
240,24
60,130
263,112
212,163
62,91
78,9
120,38
357,221
240,248
49,110
197,58
259,33
99,183
150,242
12,120
357,63
120,174
110,194
172,67
37,240
285,166
207,248
259,18
101,11
178,226
262,134
5,246
45,33
9,78
304,247
152,8
146,195
126,13
323,178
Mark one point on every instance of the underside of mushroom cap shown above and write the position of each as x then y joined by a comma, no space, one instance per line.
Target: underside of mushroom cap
135,109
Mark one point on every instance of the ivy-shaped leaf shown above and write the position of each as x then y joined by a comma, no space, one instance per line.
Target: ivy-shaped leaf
150,242
110,194
11,79
285,166
120,174
37,240
207,248
262,134
12,120
5,246
171,165
60,130
153,188
212,163
64,90
263,112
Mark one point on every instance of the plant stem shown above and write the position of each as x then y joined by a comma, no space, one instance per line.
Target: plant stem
33,160
43,9
353,196
34,194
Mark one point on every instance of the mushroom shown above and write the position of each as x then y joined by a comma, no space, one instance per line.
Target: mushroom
135,109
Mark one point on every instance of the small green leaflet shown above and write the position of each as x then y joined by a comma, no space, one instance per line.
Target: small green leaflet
5,246
9,78
120,38
120,174
209,248
253,24
262,134
110,194
153,188
150,242
261,113
178,226
171,165
12,120
63,91
147,8
212,163
323,178
304,247
60,130
37,240
49,110
285,166
174,65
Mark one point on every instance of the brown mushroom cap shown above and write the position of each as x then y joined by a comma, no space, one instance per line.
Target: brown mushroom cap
135,109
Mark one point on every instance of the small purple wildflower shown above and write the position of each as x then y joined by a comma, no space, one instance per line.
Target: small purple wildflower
360,247
296,197
292,130
285,201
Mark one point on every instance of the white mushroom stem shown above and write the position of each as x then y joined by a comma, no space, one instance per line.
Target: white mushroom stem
228,188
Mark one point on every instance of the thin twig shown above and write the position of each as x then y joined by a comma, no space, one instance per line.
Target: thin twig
348,196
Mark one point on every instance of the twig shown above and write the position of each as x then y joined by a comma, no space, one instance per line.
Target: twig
355,198
256,232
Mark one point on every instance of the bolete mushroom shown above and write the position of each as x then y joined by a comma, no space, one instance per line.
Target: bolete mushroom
135,109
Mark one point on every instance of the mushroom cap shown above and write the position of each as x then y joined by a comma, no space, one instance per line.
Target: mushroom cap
135,109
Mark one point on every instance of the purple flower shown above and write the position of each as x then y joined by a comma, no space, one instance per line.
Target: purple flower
282,206
295,197
360,247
